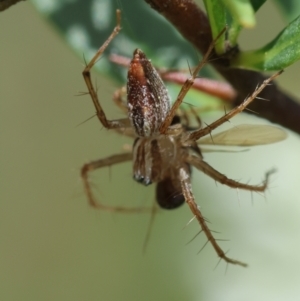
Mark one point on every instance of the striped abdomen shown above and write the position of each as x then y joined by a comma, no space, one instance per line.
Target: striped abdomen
147,97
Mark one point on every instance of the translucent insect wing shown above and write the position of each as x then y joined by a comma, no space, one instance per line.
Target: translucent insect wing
246,135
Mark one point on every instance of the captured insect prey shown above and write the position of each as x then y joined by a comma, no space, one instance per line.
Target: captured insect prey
166,146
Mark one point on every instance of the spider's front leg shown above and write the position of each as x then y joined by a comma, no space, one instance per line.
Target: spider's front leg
109,161
109,124
186,87
197,134
190,200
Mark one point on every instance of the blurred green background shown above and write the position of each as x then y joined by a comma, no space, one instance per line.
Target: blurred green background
55,247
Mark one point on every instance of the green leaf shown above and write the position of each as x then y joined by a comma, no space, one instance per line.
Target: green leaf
278,54
242,11
236,25
289,8
235,14
217,15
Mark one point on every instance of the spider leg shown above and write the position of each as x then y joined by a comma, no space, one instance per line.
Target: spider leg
186,87
195,135
184,115
217,176
154,210
196,116
118,99
87,168
109,124
190,200
128,132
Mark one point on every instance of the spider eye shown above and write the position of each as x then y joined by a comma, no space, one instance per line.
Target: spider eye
141,179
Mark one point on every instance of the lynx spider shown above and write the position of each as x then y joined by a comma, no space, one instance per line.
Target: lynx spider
163,152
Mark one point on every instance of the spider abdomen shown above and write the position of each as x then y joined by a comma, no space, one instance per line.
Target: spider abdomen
147,97
169,194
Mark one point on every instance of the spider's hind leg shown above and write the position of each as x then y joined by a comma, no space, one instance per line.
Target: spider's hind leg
190,200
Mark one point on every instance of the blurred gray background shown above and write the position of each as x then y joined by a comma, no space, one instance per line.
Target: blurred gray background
53,246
